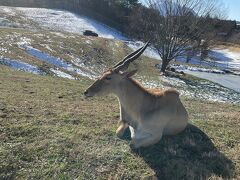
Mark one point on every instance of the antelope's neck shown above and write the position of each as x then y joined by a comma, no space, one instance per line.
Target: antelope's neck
130,96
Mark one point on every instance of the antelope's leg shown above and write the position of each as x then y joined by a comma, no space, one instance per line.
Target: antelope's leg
123,125
121,129
146,139
150,132
144,142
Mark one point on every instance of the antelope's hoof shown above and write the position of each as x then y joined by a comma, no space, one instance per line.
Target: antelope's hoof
133,146
119,134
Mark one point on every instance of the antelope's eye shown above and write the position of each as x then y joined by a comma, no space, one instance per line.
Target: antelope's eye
108,78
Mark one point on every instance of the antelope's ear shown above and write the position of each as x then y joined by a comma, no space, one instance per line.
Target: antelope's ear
130,73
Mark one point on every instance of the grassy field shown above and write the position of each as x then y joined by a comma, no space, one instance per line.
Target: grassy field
49,131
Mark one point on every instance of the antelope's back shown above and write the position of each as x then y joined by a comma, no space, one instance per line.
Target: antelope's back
172,100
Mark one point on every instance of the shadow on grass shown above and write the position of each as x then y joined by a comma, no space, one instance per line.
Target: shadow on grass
189,155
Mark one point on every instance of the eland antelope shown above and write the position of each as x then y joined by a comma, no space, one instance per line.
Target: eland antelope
149,113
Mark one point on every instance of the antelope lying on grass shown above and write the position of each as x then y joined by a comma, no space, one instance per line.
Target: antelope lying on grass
149,114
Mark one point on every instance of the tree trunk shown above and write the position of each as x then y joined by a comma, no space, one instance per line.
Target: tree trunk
164,65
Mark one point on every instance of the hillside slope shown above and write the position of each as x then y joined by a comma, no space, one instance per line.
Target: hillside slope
73,56
57,20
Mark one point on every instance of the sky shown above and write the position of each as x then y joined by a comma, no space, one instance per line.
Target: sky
233,8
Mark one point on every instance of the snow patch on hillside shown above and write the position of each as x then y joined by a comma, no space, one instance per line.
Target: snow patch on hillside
6,23
195,69
56,62
2,49
224,58
24,41
8,10
61,74
219,58
60,20
21,66
203,90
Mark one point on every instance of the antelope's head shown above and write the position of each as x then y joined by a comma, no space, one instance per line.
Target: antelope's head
111,80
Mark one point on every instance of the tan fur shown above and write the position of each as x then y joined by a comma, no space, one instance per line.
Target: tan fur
149,113
154,91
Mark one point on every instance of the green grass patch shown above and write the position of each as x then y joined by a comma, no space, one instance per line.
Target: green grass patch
50,131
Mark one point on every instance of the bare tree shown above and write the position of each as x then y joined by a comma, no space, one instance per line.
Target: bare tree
173,25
